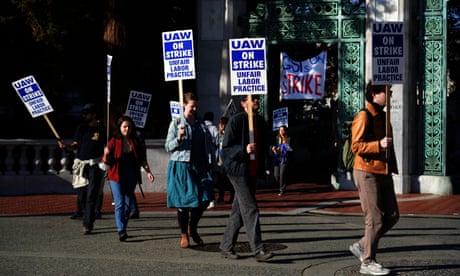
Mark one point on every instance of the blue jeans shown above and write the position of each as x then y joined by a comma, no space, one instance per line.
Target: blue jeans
123,193
245,212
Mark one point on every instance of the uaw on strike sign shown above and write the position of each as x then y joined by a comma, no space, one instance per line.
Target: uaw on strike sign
179,63
248,68
387,53
33,97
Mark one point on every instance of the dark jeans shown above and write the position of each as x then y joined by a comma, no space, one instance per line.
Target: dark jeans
92,193
245,212
81,195
280,175
100,198
223,184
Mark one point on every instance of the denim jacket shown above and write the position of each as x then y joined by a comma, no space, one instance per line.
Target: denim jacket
181,151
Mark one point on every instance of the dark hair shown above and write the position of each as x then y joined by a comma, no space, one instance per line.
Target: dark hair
223,120
370,89
208,116
89,108
125,118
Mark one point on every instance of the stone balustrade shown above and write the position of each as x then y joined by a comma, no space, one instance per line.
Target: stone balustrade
41,167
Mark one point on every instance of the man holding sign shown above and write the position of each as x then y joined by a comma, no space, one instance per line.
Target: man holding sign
243,172
88,143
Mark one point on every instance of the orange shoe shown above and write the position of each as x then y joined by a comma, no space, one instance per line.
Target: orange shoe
184,242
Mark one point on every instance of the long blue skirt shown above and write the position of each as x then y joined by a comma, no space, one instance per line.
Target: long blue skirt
186,187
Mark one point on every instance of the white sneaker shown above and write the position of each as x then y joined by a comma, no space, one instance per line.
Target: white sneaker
357,250
212,204
373,268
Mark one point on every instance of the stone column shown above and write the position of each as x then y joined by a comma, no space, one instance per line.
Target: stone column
384,11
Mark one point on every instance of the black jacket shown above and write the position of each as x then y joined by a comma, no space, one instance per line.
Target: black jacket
236,138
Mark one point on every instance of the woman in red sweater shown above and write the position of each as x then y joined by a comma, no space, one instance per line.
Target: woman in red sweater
125,154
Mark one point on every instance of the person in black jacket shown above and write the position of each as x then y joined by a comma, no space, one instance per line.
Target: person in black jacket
88,143
244,160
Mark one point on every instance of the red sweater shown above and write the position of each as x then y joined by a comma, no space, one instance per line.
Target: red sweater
115,146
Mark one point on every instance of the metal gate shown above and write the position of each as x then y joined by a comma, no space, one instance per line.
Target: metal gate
342,22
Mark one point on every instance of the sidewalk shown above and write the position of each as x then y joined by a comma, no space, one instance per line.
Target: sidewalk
299,198
309,231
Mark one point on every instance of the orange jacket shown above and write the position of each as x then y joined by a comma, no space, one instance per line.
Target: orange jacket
365,143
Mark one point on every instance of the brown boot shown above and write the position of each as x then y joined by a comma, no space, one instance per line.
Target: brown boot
184,242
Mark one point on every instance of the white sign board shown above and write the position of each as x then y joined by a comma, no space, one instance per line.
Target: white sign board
31,94
109,64
179,63
280,118
387,53
303,79
248,66
175,109
138,107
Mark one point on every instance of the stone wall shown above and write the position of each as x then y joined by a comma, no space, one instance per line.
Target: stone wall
39,167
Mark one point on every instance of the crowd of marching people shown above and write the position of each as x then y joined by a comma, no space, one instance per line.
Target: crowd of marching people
207,160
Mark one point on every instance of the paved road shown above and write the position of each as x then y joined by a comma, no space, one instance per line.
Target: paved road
304,243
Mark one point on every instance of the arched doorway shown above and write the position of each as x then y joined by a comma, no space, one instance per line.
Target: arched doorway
301,29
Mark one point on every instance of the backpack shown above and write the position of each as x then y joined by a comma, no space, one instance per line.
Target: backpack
348,157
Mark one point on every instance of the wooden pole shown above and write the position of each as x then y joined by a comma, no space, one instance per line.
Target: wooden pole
52,127
387,119
388,107
181,96
251,125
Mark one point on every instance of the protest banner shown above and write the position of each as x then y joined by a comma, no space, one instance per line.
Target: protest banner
34,99
175,109
303,80
280,118
138,107
179,57
387,53
248,70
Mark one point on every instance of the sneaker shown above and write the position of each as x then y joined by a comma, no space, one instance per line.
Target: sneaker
134,215
373,268
229,255
212,204
262,256
98,215
122,235
357,250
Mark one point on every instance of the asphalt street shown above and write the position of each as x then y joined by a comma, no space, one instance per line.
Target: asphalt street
304,243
